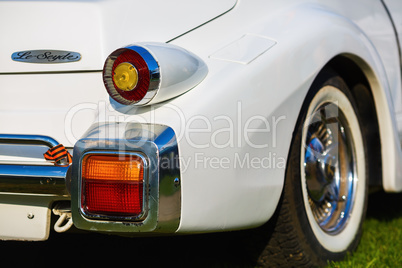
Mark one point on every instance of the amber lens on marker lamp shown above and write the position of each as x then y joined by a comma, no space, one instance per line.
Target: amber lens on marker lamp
125,76
112,185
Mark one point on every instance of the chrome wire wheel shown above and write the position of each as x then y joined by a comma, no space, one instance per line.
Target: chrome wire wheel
332,169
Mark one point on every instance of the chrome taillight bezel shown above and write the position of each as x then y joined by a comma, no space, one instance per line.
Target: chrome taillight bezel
153,73
158,144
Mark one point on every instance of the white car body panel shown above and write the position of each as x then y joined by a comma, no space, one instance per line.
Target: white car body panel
215,122
393,7
257,191
73,25
48,113
27,221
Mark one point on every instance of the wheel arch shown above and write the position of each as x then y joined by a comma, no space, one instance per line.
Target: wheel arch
378,120
361,90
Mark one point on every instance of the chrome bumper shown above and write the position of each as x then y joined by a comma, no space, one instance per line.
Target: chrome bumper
31,178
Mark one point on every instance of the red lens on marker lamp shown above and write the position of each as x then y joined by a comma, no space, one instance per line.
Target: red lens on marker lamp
140,73
131,75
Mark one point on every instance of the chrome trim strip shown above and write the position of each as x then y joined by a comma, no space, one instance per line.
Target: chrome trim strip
156,142
32,179
28,139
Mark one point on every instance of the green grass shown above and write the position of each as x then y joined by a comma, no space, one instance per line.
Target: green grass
381,243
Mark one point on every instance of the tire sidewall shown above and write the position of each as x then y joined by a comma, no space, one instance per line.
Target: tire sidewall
316,243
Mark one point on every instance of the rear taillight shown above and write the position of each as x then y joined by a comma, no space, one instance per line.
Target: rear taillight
148,73
131,75
113,186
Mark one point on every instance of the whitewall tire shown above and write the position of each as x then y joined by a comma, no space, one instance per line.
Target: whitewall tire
324,199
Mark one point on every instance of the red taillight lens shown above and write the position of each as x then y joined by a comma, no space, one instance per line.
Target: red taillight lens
130,74
112,185
113,198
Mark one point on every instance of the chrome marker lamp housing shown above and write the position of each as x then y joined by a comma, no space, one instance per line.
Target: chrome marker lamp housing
148,73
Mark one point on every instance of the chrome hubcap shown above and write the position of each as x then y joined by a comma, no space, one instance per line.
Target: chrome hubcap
330,168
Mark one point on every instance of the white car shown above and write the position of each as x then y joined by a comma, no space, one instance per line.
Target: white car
187,117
